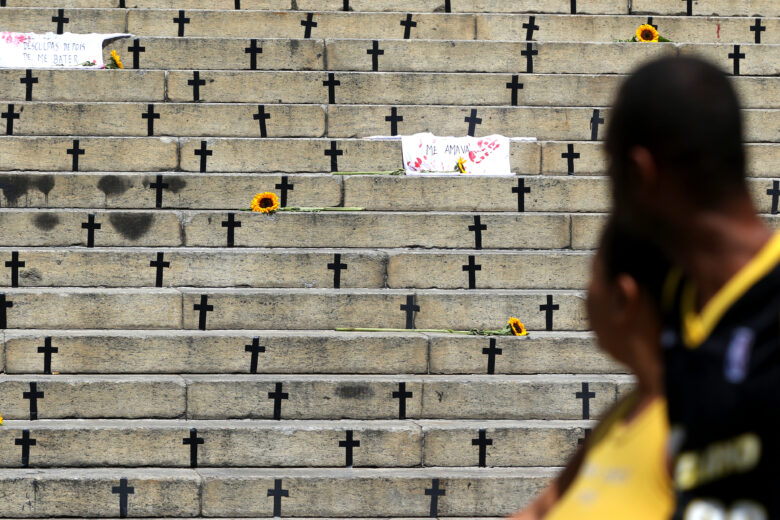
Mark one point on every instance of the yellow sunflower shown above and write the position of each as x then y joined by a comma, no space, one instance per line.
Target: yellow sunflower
462,165
1,419
265,202
646,33
518,329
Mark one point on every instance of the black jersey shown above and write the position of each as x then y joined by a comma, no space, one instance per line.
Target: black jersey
723,388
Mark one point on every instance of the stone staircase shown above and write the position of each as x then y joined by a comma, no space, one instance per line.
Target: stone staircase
166,354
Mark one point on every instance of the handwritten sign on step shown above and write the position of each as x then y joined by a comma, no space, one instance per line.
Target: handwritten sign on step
427,154
48,51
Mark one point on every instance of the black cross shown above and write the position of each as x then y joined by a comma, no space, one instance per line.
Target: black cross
238,4
75,152
123,490
29,81
25,442
530,27
196,83
255,348
410,307
514,85
346,6
33,395
253,50
434,492
334,153
595,121
193,440
284,187
15,264
584,438
349,444
650,22
375,53
332,83
90,225
203,152
736,56
337,267
150,115
689,10
181,20
231,224
277,396
203,308
473,121
47,350
158,186
521,190
402,395
121,4
393,119
308,23
408,24
529,54
483,442
10,116
478,228
277,492
472,267
549,308
491,352
573,6
60,20
774,192
3,313
136,49
447,6
586,396
758,28
570,155
261,116
160,264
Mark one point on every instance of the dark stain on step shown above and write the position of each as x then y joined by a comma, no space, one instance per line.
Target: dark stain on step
46,221
131,225
112,185
175,184
14,186
32,275
44,183
354,391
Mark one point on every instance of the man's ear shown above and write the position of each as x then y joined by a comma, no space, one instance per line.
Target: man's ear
644,164
628,296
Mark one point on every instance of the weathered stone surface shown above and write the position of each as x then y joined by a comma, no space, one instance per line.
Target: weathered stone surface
468,6
180,352
106,21
586,230
142,396
158,4
714,7
68,85
759,60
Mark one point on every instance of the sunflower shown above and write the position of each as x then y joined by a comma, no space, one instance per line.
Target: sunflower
117,61
518,329
646,33
462,165
265,202
1,419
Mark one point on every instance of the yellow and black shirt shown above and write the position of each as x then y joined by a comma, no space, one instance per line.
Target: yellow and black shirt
723,391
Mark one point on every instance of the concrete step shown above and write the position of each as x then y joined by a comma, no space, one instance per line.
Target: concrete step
294,268
293,492
290,309
160,443
710,8
154,4
301,352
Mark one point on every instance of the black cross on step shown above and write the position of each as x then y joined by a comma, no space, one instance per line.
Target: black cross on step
410,308
530,27
472,267
159,264
231,224
375,53
331,83
204,153
25,442
548,309
308,23
193,441
595,121
203,309
253,50
570,155
283,188
123,490
349,444
60,20
158,186
181,20
278,396
393,119
277,492
586,395
262,117
758,29
491,352
90,225
121,4
75,152
47,350
136,49
33,395
483,442
15,264
4,304
584,438
736,56
28,80
9,116
573,6
773,192
478,228
346,6
529,54
689,7
150,115
196,83
337,267
521,189
650,22
514,86
447,6
473,121
402,395
334,152
238,4
434,492
408,24
255,349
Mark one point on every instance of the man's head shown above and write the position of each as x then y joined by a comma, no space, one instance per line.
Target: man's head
674,144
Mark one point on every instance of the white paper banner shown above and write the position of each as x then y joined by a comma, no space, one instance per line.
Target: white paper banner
46,51
427,154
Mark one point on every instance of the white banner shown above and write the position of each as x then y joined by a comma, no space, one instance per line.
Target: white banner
47,51
427,154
